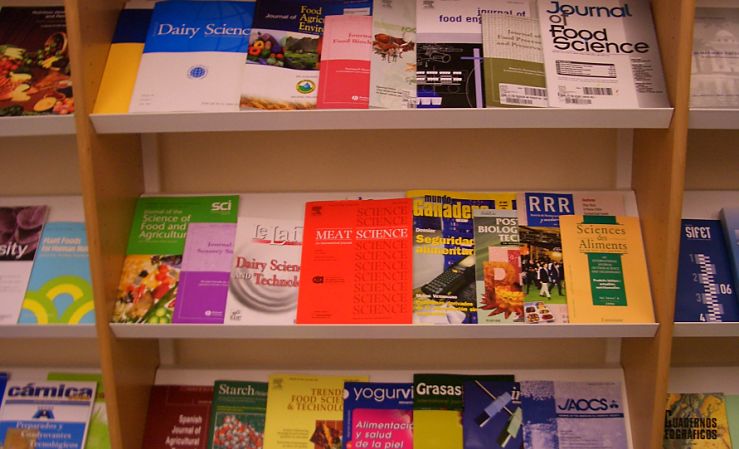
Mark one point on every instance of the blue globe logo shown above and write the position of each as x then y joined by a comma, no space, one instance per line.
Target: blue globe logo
197,72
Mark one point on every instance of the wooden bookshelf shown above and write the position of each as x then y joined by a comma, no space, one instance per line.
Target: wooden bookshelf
114,159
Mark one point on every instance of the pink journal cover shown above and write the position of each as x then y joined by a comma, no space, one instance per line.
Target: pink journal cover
345,63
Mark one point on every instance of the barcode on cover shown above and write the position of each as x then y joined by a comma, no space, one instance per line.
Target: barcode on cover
597,90
571,100
534,92
515,100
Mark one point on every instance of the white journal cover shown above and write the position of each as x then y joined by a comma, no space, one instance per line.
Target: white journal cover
601,54
714,81
265,273
459,20
193,56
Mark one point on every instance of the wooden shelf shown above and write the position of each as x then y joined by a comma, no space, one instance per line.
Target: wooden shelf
364,332
714,119
47,331
380,119
41,125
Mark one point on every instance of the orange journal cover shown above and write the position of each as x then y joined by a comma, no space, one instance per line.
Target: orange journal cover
356,265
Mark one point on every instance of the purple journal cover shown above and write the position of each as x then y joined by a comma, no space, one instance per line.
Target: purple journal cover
206,267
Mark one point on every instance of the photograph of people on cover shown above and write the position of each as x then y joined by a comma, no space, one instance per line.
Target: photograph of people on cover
327,435
543,277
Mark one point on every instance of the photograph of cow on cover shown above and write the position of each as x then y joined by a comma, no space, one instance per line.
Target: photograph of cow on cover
543,276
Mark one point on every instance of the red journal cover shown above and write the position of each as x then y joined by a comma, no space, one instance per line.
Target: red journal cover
356,265
178,417
344,79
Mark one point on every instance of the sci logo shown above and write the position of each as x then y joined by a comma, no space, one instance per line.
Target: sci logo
221,206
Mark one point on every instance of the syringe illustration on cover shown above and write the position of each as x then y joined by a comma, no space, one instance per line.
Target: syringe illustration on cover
502,404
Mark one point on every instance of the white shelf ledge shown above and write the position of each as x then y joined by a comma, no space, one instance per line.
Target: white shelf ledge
381,119
38,125
713,119
48,331
706,329
378,332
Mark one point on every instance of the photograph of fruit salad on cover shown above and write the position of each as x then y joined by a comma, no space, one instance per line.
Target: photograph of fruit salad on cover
147,290
34,62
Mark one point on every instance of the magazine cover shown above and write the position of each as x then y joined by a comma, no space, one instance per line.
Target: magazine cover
714,76
498,276
492,416
193,56
560,415
97,435
124,57
542,264
154,261
449,57
730,223
305,412
344,76
60,289
513,62
705,288
178,416
237,415
20,235
34,62
378,415
46,414
606,270
265,274
696,421
602,56
393,59
438,402
443,253
357,262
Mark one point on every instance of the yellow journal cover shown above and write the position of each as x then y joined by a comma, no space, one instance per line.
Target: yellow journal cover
696,421
124,56
444,253
606,277
305,412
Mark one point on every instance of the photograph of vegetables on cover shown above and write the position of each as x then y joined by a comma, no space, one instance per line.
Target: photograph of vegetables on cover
34,62
148,288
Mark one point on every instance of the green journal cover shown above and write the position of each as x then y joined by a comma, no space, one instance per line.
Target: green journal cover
513,62
438,401
237,415
97,434
732,412
151,271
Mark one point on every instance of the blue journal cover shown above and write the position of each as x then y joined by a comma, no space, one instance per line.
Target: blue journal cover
378,413
559,415
59,289
492,416
730,221
705,290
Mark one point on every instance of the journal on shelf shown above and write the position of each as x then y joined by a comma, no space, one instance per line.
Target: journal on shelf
34,62
221,56
433,257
